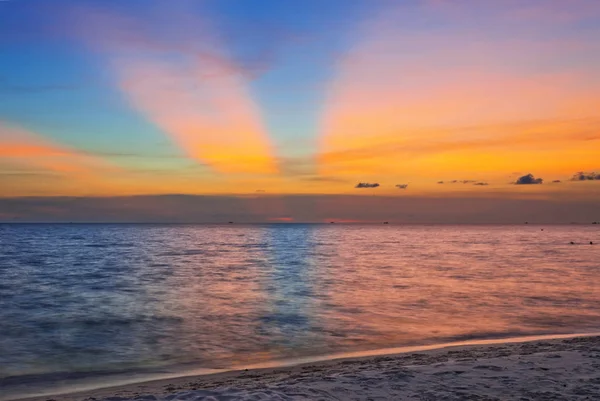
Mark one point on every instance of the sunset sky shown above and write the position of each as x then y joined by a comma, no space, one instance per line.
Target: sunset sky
296,110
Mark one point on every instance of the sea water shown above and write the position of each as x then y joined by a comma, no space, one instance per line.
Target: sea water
90,300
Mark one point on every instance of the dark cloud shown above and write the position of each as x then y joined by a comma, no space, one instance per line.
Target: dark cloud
556,182
457,182
582,176
402,186
480,183
367,185
302,208
528,179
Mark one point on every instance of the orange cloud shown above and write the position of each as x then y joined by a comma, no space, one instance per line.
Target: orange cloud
33,165
182,81
465,147
212,119
416,105
23,147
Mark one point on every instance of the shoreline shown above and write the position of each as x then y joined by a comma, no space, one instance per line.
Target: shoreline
199,383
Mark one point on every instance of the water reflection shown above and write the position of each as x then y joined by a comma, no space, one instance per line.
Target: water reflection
436,284
216,291
288,286
102,297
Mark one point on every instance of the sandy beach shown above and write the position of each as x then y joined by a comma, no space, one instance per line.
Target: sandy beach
554,369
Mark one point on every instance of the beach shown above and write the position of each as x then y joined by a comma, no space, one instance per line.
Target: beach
299,200
312,311
548,369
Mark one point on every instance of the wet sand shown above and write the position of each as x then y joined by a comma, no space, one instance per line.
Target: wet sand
555,369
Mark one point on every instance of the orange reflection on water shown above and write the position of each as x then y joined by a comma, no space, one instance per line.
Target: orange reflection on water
217,296
433,284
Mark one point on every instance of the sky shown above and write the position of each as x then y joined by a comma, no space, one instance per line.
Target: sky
301,110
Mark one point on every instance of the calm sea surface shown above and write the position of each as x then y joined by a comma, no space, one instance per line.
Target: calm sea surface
118,298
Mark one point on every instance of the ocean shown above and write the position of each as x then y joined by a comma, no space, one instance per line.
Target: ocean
81,302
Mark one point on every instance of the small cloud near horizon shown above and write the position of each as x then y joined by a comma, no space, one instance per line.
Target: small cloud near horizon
402,186
528,179
556,181
367,185
481,183
583,176
457,182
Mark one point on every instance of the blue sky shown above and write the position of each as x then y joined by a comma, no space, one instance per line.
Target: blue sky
241,97
53,84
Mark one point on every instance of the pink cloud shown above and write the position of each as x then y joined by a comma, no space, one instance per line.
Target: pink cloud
182,80
403,92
